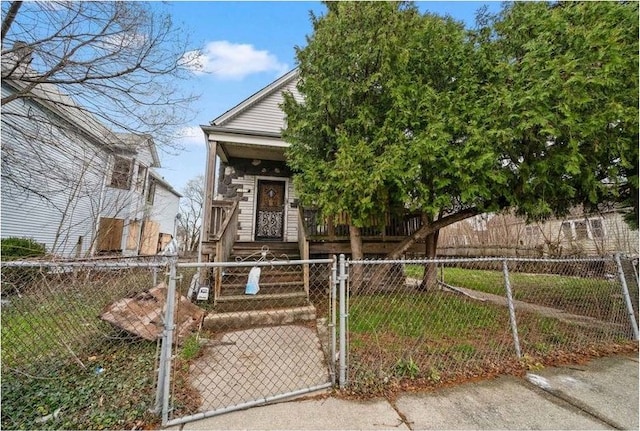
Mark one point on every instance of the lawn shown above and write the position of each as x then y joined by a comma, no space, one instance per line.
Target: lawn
588,296
65,368
426,338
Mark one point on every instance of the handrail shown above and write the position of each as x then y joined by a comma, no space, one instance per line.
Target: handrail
225,239
220,211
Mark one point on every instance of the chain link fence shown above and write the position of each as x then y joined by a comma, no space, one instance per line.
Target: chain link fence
67,363
420,323
114,344
268,334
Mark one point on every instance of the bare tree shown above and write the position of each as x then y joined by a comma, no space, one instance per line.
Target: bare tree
76,77
191,212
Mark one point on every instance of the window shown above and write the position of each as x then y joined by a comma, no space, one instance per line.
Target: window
532,231
566,230
142,178
110,234
151,192
581,230
121,175
597,229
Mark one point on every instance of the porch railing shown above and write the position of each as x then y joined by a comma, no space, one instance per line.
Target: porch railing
224,238
390,227
220,210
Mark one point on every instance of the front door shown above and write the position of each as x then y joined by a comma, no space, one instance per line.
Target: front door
270,211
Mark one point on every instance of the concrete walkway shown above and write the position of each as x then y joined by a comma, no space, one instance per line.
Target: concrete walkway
600,395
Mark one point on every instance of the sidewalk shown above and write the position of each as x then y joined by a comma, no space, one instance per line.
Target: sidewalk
600,395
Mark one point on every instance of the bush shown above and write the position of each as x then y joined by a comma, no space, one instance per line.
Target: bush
18,248
15,280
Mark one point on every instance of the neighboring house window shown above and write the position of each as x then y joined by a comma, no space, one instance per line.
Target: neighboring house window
142,178
151,192
121,176
110,234
581,230
532,231
597,229
567,230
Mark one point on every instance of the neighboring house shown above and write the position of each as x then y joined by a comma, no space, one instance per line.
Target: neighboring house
74,185
578,234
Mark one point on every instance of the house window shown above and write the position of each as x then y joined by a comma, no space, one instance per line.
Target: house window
566,230
121,175
151,192
532,231
597,229
110,234
581,230
142,178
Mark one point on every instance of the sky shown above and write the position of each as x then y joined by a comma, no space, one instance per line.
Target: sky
246,46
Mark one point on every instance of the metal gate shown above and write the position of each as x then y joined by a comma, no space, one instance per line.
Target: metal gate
251,348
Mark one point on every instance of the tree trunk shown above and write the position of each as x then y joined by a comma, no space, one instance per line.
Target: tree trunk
429,280
427,229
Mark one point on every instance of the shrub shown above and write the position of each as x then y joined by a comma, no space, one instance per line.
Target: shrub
15,280
17,248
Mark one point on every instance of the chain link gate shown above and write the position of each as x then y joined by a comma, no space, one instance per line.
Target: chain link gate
269,334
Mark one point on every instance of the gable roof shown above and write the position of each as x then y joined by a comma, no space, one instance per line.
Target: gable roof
256,98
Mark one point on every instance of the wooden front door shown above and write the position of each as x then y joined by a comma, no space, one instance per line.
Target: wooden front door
270,211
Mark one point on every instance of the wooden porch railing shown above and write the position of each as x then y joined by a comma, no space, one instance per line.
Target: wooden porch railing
224,238
391,228
220,211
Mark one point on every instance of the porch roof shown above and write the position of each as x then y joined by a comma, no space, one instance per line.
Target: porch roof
246,144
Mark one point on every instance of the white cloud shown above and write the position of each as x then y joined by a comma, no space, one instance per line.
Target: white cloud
226,60
191,136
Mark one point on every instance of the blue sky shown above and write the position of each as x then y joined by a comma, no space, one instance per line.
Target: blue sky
246,46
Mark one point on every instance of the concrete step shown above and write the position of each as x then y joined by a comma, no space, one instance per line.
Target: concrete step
223,321
260,301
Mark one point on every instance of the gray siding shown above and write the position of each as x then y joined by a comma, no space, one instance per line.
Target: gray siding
64,172
266,115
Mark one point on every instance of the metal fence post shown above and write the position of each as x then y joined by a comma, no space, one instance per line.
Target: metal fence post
512,311
168,340
343,324
627,298
334,288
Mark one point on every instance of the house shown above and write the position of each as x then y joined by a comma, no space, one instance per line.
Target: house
579,234
250,200
74,185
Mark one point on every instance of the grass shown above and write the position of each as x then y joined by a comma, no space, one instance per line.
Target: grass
58,356
434,337
594,297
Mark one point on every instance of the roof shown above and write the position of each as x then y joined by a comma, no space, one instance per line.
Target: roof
256,97
160,180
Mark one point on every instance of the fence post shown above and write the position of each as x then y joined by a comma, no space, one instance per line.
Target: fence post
512,311
168,339
334,288
627,298
343,324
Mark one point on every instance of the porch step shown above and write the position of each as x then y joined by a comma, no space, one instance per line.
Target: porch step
218,321
260,301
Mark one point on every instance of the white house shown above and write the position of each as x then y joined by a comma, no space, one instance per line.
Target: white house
70,183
